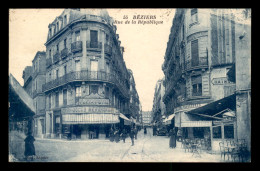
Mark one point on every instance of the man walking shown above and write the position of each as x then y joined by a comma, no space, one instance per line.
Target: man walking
132,134
123,135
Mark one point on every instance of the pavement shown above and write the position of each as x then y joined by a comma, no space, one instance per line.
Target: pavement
147,148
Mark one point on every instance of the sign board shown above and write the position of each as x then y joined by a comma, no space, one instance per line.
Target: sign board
188,107
88,109
93,101
220,81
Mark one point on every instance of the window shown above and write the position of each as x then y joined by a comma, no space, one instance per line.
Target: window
107,39
57,48
65,43
107,68
50,53
57,99
107,92
57,73
65,69
217,132
50,76
50,31
78,94
183,32
196,82
77,35
77,65
65,97
194,15
49,101
229,131
194,53
94,66
93,39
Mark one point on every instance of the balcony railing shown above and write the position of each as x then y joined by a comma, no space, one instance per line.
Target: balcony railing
64,53
88,76
48,62
94,45
56,57
76,46
108,49
203,61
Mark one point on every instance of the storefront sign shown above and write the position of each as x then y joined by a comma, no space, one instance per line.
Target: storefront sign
93,101
196,124
220,81
87,109
89,118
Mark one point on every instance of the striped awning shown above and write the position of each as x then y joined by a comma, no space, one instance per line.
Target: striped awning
167,120
90,118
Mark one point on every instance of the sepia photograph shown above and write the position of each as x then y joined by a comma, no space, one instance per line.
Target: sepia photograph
129,85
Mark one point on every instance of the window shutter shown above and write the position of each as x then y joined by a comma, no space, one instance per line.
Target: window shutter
205,84
188,87
194,53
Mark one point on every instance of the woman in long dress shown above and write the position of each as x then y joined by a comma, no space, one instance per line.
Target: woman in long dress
172,134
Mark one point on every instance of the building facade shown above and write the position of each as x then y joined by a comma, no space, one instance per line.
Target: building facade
82,87
147,118
200,52
158,110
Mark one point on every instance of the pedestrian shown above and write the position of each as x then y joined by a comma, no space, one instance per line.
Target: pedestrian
145,131
123,135
111,134
117,135
154,130
172,134
132,134
29,147
135,132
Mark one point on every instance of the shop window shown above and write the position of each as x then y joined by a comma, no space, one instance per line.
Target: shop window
198,132
229,131
196,85
217,132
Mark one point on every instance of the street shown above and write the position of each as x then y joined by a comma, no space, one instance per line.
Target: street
147,148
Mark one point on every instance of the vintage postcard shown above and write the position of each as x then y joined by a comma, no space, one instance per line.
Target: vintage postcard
130,85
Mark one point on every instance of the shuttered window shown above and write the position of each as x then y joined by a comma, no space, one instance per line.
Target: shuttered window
194,53
196,85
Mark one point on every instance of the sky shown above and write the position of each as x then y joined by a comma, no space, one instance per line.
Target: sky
144,44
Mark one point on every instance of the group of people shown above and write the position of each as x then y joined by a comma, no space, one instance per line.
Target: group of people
116,134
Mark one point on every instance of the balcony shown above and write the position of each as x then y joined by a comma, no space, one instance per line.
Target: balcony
108,49
203,62
56,57
48,62
94,45
76,46
64,53
88,76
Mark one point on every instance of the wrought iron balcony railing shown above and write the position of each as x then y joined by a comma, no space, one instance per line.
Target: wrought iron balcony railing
203,61
88,76
94,45
76,46
64,53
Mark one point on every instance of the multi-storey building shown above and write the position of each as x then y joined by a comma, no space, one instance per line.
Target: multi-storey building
135,105
158,110
147,118
87,82
27,77
200,52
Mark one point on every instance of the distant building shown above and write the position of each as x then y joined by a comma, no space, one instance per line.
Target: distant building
147,118
158,110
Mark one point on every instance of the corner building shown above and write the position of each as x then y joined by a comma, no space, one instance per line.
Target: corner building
87,82
199,54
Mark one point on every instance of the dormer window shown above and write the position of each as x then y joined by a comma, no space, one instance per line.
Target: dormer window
65,20
57,26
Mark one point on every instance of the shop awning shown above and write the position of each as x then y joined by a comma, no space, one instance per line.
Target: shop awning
167,120
216,107
90,118
123,117
21,104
